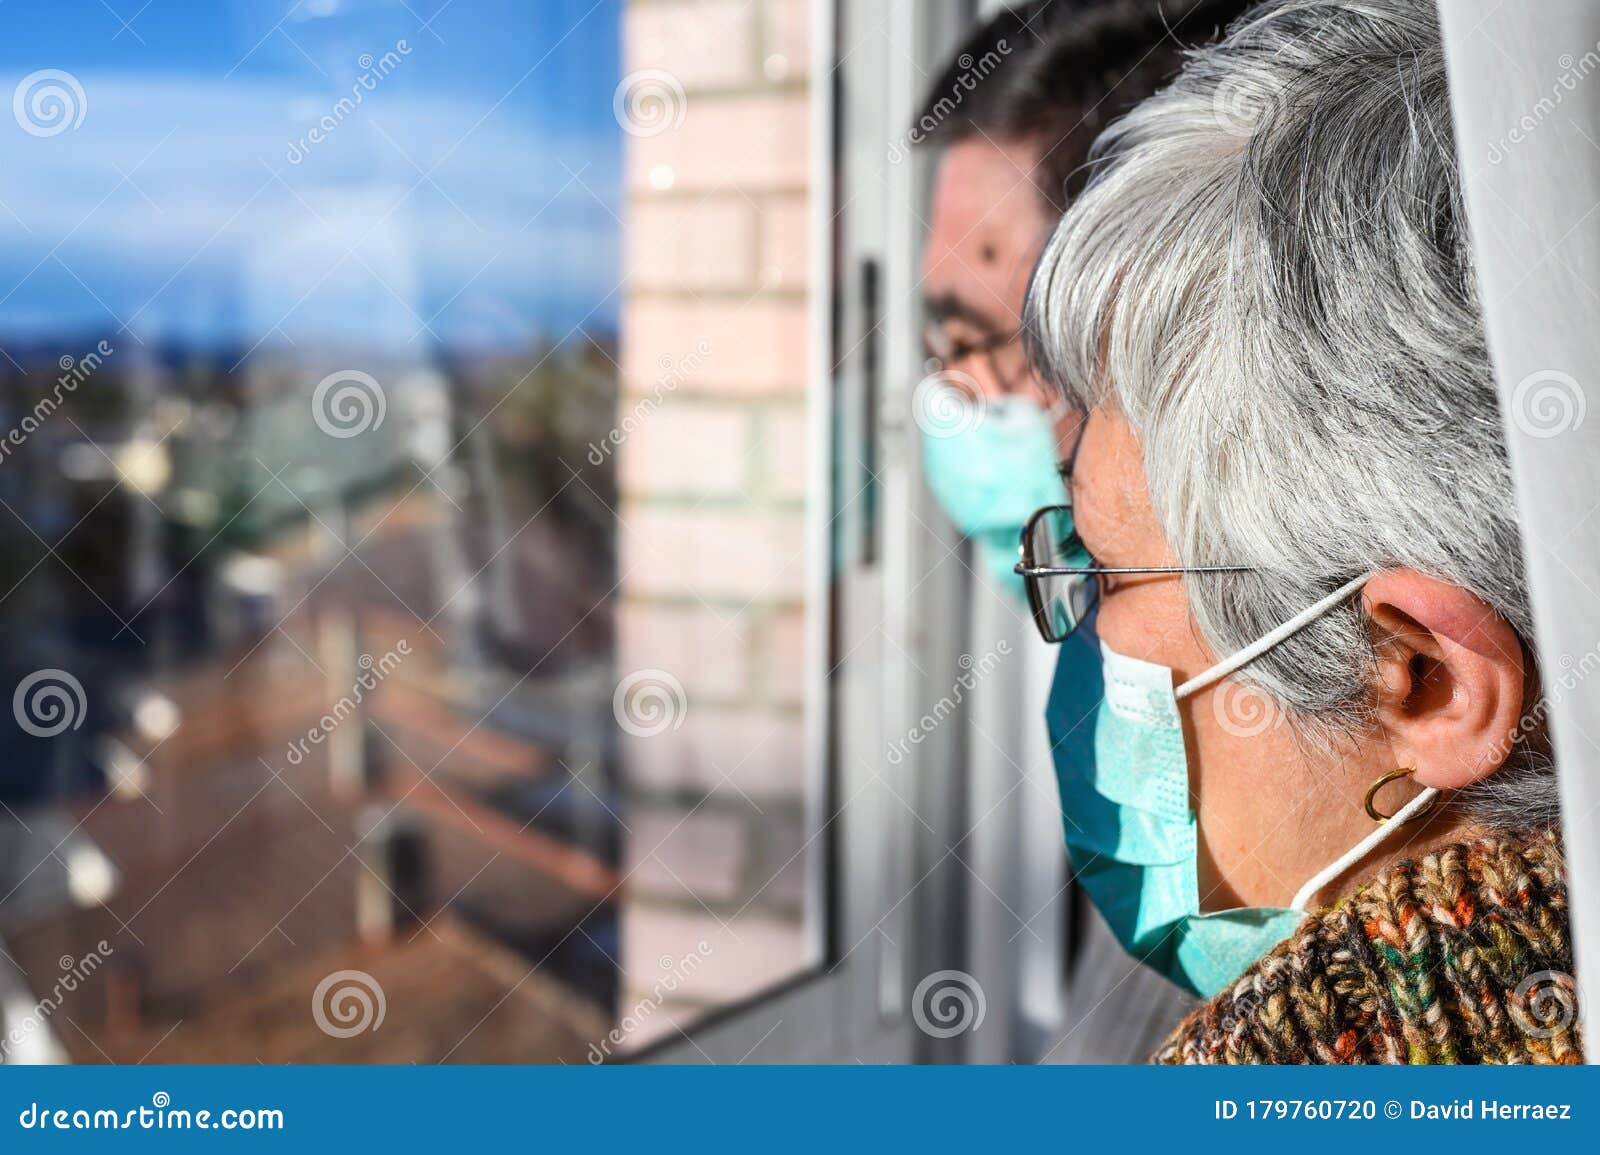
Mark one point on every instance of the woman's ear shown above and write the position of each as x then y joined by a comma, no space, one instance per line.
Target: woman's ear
1451,678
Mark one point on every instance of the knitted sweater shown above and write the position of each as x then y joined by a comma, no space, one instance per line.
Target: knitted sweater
1462,957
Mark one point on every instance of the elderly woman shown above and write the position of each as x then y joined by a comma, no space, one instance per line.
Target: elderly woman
1304,775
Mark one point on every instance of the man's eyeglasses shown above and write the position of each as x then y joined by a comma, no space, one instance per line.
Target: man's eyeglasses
1002,353
1061,577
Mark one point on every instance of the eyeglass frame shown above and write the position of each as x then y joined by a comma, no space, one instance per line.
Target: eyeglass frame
948,354
1031,573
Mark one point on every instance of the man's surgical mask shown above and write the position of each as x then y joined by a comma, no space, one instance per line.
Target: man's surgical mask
1130,828
989,471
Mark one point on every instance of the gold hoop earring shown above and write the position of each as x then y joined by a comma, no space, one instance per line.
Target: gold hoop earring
1393,776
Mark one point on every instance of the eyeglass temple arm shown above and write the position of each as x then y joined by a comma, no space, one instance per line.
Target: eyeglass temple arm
1056,571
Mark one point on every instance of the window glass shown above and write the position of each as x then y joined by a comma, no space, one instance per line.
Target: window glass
403,448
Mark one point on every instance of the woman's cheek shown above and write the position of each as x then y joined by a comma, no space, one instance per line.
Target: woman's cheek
1145,621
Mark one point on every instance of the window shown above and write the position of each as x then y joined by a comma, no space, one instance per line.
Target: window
406,600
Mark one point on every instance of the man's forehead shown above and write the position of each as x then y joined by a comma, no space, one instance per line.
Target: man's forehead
989,179
987,225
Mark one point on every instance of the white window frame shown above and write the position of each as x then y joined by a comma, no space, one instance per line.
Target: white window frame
875,890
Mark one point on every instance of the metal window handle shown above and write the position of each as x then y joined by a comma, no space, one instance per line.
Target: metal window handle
871,404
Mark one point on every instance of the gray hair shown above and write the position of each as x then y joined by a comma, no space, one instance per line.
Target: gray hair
1270,276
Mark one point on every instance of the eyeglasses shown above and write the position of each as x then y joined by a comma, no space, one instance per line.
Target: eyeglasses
1002,352
1061,577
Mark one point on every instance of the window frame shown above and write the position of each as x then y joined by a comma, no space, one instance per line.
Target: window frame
871,892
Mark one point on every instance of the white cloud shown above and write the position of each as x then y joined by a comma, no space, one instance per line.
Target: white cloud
502,207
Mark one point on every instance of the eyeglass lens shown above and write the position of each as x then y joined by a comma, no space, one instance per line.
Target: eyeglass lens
1060,601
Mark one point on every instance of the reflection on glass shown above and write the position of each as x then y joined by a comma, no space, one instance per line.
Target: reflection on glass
326,428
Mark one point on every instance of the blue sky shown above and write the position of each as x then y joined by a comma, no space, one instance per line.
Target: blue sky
191,204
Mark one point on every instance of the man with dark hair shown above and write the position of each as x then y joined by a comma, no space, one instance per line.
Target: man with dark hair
1070,67
1013,118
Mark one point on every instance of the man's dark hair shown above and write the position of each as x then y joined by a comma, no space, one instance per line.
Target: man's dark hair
1056,72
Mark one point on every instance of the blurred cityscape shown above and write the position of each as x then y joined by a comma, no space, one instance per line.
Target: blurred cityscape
216,573
403,600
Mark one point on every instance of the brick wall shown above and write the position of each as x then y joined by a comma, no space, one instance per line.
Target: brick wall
712,474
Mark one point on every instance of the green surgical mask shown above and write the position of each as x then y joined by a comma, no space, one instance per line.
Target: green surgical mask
990,474
1130,828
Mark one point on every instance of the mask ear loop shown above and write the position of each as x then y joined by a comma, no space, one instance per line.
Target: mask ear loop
1249,654
1261,645
1361,849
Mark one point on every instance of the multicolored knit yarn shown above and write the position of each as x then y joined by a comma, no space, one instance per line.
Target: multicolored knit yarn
1461,957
